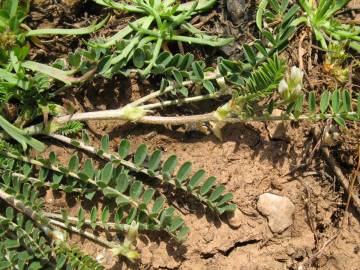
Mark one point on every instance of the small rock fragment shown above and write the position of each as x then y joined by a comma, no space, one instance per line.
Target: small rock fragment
279,211
236,9
235,219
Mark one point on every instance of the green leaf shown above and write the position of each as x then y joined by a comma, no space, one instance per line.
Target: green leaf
10,244
335,101
136,190
139,57
209,86
169,166
249,54
85,136
106,173
346,101
131,216
110,192
50,71
105,143
18,135
154,161
122,182
89,168
226,198
158,205
176,223
81,218
4,265
183,172
140,154
148,195
324,101
198,71
105,215
183,234
196,180
216,193
93,217
124,148
312,102
78,31
207,185
178,76
260,13
227,208
73,165
340,121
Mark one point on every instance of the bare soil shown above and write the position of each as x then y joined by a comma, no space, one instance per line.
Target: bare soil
249,164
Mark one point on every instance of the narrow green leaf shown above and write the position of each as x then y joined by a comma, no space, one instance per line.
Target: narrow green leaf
169,166
183,234
312,102
81,218
216,193
105,143
183,172
136,190
140,154
176,223
196,180
158,205
78,31
178,76
346,101
18,135
124,148
249,54
105,215
224,199
148,195
335,101
324,101
209,86
260,13
106,173
207,185
10,243
154,160
85,136
139,57
198,71
166,216
227,208
122,182
340,121
89,168
93,217
73,165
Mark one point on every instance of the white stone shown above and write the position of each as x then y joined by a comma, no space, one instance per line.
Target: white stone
279,211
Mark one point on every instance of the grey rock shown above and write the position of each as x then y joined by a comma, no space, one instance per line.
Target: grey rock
236,10
279,211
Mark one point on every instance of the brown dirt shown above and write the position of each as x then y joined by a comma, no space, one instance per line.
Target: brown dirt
248,163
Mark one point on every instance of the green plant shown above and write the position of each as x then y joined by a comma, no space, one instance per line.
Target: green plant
28,241
142,42
326,27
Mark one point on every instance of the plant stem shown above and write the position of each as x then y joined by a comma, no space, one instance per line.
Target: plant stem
35,216
110,225
83,233
178,101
